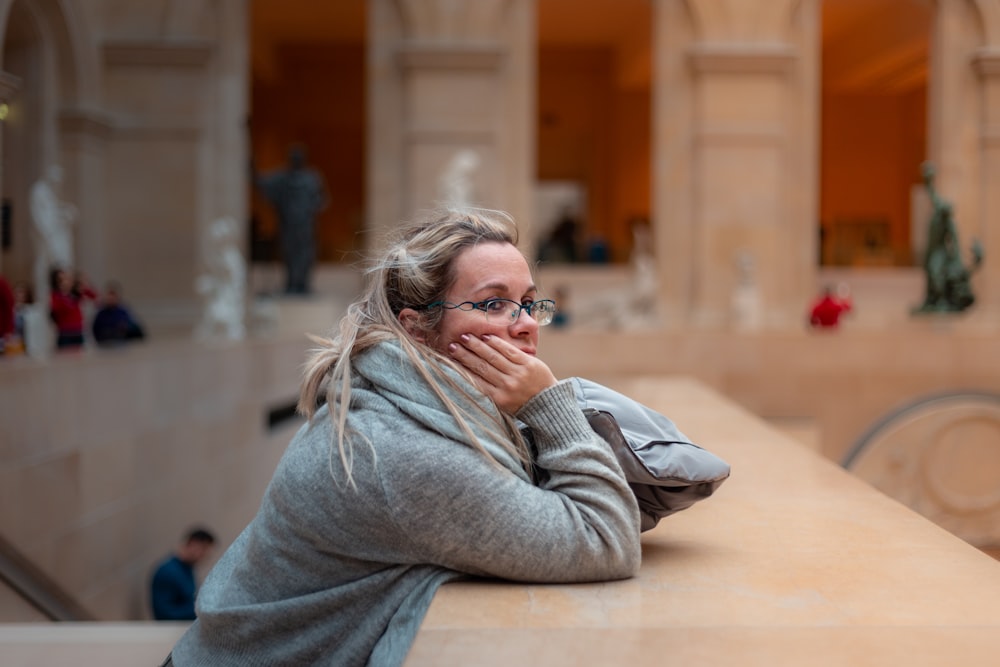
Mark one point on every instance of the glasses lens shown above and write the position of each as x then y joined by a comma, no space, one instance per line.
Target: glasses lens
503,312
499,311
543,311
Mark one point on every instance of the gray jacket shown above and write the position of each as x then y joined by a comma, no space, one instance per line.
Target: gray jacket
327,574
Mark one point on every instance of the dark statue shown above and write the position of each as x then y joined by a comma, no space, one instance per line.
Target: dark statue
949,286
298,195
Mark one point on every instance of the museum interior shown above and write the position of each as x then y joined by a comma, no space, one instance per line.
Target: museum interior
690,179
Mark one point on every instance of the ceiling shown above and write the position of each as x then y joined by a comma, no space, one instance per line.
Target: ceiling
869,46
876,46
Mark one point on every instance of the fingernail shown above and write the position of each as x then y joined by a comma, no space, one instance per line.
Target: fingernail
464,337
487,336
452,347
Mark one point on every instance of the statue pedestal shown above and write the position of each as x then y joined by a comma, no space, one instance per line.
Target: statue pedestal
945,321
39,339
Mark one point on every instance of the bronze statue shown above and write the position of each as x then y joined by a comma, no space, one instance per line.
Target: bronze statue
949,286
298,195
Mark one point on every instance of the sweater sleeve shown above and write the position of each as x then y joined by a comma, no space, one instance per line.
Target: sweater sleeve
461,510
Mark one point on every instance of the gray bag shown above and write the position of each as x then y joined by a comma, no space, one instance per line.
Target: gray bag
665,470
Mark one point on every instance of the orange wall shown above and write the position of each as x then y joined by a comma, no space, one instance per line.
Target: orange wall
872,147
591,131
317,99
633,156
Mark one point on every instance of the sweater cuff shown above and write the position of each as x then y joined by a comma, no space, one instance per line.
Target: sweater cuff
554,416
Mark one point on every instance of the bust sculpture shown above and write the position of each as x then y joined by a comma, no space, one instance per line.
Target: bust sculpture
455,181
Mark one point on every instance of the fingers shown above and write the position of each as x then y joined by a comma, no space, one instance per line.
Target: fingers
480,358
506,374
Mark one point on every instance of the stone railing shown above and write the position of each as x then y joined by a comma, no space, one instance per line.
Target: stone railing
792,561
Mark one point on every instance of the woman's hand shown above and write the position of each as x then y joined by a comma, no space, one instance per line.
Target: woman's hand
504,373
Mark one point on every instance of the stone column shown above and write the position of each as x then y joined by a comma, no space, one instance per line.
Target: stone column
962,133
83,145
735,145
451,98
164,131
987,64
8,88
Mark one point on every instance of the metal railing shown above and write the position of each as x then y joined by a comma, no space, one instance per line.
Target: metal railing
37,588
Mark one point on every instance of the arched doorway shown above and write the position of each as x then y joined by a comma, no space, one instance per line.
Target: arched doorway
874,130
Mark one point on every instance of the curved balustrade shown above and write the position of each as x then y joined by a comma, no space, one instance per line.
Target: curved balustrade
940,456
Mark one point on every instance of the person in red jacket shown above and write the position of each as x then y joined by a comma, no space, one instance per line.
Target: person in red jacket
826,311
6,313
64,306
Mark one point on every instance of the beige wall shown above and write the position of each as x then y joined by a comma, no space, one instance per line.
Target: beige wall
443,78
107,457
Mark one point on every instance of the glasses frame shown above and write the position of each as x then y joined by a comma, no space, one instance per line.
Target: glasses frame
481,306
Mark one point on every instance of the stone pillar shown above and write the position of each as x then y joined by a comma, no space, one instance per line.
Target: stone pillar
735,144
963,122
987,64
83,144
450,84
8,88
226,151
165,131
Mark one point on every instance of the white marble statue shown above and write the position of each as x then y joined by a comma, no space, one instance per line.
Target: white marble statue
633,306
223,284
52,220
455,183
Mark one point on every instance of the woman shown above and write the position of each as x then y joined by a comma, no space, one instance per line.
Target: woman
413,473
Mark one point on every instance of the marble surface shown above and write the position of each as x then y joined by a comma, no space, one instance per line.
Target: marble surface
793,561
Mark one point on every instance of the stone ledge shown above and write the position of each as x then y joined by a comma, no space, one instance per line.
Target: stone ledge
792,561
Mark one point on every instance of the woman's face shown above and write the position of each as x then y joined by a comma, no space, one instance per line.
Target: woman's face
489,271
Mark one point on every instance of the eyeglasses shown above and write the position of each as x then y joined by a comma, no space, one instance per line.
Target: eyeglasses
504,312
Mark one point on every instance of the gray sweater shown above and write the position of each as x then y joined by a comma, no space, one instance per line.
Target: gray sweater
327,574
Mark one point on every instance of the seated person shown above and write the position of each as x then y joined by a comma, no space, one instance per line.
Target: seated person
113,323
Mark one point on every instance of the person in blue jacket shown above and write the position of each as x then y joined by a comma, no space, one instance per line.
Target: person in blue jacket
114,323
173,588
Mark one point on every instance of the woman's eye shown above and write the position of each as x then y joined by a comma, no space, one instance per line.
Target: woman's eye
495,306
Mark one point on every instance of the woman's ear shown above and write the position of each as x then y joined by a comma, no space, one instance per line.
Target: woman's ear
410,320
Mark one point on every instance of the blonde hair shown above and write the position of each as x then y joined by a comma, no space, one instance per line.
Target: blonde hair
415,269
